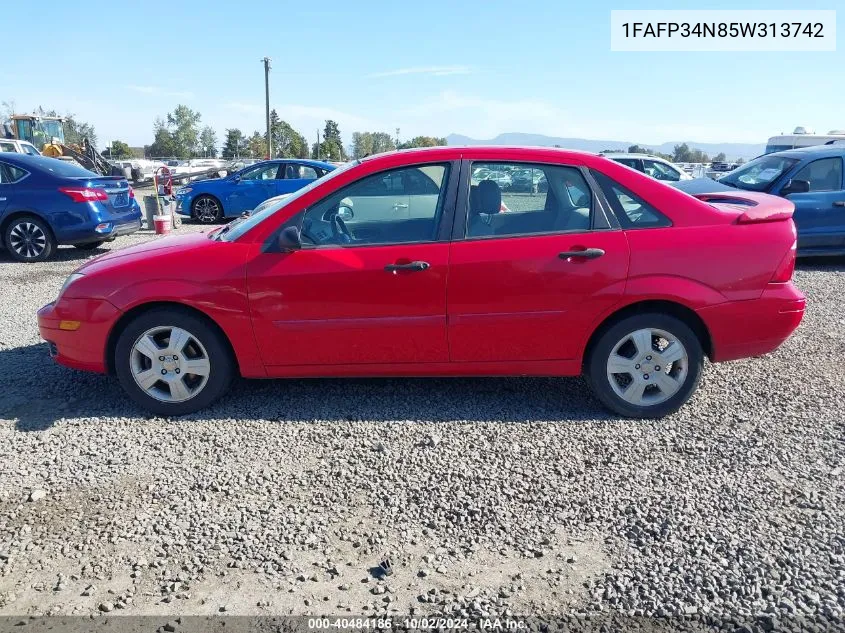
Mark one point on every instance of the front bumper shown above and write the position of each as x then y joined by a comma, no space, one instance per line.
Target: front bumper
183,205
742,329
83,347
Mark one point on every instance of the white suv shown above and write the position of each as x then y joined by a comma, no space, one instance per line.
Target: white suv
19,147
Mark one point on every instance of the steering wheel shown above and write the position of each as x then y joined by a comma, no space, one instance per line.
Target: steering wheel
340,232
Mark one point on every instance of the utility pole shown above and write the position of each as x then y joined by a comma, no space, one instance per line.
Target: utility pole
266,61
397,138
318,144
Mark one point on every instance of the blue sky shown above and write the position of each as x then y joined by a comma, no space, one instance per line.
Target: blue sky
433,67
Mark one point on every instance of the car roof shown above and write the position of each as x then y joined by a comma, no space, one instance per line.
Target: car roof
815,150
629,155
25,160
480,152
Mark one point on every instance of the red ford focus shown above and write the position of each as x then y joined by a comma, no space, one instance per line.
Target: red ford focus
404,264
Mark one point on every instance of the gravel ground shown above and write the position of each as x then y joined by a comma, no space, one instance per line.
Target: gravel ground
490,496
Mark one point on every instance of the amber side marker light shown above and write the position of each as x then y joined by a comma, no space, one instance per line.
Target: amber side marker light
70,326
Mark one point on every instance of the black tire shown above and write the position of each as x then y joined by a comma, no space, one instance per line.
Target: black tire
40,243
207,210
221,362
596,370
90,246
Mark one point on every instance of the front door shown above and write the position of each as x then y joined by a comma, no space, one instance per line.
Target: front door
254,187
367,290
820,213
527,284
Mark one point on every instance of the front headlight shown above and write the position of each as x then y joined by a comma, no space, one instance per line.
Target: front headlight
73,277
183,191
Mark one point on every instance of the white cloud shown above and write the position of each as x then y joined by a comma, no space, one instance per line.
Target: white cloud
158,90
435,71
244,107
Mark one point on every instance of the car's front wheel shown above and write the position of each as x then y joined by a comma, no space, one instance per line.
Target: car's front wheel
29,239
172,362
645,365
207,210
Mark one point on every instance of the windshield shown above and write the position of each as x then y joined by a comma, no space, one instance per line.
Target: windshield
233,231
758,174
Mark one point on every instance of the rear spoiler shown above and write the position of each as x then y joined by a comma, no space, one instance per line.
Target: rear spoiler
753,207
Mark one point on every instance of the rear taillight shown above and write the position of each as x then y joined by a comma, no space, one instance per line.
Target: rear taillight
784,271
131,192
85,194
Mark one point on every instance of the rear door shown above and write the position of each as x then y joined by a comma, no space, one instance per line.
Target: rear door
8,175
357,292
294,176
820,213
528,285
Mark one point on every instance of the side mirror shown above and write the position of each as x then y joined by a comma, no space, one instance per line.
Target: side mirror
345,213
236,177
795,186
289,240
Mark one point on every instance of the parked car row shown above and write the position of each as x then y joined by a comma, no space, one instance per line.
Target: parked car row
404,264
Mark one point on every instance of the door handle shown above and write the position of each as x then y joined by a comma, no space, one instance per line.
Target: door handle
410,267
836,203
2,199
400,205
587,253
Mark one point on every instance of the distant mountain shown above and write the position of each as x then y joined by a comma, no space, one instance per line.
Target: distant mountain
731,150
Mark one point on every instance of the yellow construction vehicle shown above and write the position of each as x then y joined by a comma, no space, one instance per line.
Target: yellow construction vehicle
47,133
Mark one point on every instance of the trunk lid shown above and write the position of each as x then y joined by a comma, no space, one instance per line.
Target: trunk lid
116,188
749,207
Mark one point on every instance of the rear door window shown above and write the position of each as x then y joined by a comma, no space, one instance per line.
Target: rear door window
512,199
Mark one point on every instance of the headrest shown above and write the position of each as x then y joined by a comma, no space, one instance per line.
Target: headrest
489,197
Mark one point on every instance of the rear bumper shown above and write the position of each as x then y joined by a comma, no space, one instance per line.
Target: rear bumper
741,329
85,347
124,225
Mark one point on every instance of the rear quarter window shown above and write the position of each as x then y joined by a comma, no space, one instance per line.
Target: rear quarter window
632,211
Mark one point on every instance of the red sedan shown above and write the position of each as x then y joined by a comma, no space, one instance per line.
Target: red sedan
403,264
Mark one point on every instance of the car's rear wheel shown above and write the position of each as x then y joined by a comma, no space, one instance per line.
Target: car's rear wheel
90,246
29,239
207,210
172,362
645,365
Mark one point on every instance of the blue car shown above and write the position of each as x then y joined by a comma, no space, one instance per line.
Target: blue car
210,201
45,202
810,177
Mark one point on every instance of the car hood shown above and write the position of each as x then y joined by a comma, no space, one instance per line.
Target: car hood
701,185
146,251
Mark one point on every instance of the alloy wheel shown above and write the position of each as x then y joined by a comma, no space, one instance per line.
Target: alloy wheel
170,364
206,210
647,367
27,239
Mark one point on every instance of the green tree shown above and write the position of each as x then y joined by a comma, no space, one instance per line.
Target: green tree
636,149
362,144
287,142
332,146
257,145
183,124
118,149
234,145
423,141
719,158
682,153
208,142
163,144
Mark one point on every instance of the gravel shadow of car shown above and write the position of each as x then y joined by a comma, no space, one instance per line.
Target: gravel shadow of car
39,392
823,264
61,254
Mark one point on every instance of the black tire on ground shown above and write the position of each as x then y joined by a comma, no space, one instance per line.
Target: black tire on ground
29,239
222,365
207,210
595,368
90,246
